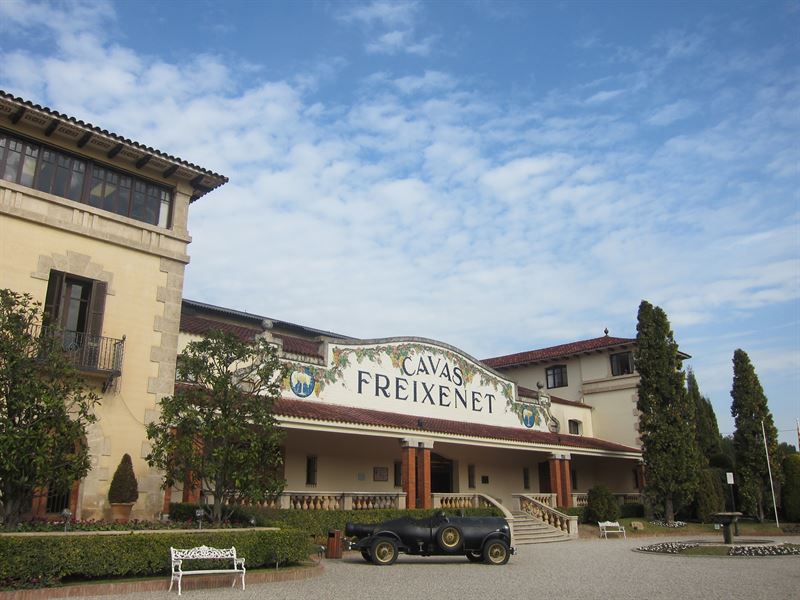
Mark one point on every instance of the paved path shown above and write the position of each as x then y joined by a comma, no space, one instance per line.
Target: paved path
580,570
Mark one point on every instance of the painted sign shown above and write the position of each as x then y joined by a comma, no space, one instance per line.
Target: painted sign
417,378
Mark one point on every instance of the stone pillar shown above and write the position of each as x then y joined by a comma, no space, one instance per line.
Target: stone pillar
642,480
409,475
566,479
425,477
555,479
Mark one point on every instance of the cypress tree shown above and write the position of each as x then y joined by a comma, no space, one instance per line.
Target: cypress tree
749,409
667,417
706,429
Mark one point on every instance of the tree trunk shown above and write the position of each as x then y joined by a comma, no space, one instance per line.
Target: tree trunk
669,511
12,511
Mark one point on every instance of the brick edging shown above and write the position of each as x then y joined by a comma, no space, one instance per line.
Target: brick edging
162,584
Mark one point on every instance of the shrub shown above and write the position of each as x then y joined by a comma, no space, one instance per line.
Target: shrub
601,505
317,523
632,510
710,495
574,511
124,487
29,561
791,487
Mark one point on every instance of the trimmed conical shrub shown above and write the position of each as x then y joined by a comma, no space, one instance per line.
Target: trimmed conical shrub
124,487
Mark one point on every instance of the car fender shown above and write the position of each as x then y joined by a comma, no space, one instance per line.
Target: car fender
493,535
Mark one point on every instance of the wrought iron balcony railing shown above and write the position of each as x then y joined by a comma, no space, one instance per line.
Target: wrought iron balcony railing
88,353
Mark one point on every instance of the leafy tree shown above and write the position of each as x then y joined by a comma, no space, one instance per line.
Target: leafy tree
706,429
217,431
749,410
710,496
667,416
45,408
791,487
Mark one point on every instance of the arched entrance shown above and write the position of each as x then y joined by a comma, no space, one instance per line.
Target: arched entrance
441,474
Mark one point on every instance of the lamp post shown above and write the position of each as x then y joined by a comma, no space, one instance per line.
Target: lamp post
67,514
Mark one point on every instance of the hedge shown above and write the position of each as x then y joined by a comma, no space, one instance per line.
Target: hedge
35,560
601,505
317,523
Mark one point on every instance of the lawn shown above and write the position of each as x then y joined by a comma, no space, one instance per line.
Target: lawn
746,528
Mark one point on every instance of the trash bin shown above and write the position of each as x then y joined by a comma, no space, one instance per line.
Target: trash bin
334,547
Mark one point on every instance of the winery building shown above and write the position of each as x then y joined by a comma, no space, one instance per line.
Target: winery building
94,226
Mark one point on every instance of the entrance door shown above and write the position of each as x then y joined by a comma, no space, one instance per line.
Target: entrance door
544,478
441,474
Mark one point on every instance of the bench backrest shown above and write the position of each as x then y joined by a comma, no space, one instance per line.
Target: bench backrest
607,524
202,552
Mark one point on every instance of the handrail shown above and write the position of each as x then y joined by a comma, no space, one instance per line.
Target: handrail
538,510
88,353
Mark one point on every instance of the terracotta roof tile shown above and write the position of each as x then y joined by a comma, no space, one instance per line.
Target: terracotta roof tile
319,410
561,351
200,326
295,345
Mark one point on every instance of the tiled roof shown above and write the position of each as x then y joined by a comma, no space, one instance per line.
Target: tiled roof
322,411
529,393
200,326
562,351
295,345
27,104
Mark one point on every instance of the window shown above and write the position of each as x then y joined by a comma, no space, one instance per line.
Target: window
556,376
471,477
311,470
398,473
526,478
74,309
573,479
57,499
68,176
622,364
575,427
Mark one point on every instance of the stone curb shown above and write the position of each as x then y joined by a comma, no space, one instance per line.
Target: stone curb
162,585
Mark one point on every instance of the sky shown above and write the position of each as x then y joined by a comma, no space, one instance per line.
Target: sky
500,176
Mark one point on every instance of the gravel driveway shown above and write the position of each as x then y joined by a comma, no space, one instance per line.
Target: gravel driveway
583,569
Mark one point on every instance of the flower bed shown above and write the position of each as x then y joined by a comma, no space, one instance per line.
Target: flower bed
710,549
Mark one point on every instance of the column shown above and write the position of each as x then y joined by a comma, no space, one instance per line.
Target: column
642,480
409,474
555,479
425,477
566,479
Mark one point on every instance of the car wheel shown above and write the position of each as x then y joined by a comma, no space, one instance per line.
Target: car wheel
365,555
496,552
383,551
450,539
474,556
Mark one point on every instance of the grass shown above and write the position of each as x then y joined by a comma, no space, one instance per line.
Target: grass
746,528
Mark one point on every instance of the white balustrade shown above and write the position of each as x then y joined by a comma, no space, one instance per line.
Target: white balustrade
547,514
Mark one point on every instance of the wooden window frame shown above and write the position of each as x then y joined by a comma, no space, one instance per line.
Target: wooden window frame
556,376
157,192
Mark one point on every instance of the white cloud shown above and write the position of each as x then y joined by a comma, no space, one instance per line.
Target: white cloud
382,12
675,111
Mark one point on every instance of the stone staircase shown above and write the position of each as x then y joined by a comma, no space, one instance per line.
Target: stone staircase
528,530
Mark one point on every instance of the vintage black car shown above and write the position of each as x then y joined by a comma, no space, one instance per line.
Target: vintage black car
486,539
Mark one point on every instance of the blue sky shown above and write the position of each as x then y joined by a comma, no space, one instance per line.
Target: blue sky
501,176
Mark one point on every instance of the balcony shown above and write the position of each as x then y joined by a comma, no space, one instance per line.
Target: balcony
90,354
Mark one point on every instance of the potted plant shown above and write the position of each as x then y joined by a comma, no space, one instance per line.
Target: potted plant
124,491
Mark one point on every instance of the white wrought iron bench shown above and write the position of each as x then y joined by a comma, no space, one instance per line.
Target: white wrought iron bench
178,555
607,527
